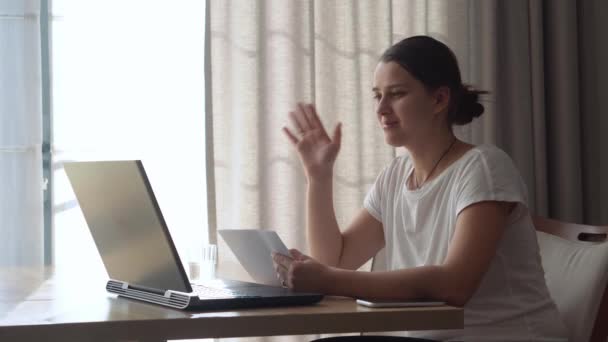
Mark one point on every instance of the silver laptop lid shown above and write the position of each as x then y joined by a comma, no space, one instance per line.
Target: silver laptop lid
126,223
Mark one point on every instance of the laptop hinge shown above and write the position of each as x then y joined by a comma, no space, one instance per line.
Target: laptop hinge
126,286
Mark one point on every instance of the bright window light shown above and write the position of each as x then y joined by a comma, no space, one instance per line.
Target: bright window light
128,83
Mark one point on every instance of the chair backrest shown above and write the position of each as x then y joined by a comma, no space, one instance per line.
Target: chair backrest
575,260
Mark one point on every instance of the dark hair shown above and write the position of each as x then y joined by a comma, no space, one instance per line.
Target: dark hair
435,65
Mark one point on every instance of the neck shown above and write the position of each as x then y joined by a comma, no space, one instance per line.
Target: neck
426,152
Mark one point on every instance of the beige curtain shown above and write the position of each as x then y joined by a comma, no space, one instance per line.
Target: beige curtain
266,56
544,63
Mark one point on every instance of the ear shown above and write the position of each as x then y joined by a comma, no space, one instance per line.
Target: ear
442,99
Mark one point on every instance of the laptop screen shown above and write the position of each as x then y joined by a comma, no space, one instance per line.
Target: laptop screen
126,224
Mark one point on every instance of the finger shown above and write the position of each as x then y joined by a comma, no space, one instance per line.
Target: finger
316,121
302,116
282,275
297,255
310,113
282,260
337,136
289,276
292,138
280,269
275,264
296,123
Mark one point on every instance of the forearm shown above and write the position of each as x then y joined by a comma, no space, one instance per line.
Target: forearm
324,235
425,282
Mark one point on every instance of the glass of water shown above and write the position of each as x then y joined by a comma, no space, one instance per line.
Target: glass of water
202,263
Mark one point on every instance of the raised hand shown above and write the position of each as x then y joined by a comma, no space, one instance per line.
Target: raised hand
316,149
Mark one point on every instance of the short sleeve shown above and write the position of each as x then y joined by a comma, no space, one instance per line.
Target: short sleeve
490,176
373,199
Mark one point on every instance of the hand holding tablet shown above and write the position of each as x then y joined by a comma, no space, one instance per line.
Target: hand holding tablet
253,249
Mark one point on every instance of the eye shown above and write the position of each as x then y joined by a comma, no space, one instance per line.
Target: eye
377,96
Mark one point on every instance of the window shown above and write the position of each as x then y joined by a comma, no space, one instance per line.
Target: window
20,139
128,83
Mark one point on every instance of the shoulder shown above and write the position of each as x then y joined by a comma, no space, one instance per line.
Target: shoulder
397,166
488,168
393,172
490,154
489,160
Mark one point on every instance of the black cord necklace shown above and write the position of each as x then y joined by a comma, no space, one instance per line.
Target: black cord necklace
416,186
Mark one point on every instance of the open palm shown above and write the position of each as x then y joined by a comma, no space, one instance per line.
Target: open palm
316,149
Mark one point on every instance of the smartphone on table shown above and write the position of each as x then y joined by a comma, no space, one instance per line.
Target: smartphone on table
396,303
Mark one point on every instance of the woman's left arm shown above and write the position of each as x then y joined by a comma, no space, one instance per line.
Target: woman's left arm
479,228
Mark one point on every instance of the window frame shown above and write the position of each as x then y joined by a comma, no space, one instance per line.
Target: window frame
47,156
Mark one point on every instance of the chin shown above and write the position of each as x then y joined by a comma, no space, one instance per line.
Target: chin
395,140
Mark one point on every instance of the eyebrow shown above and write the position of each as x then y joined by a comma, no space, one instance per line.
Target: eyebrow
392,86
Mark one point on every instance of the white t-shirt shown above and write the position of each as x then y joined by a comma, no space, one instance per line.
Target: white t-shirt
512,302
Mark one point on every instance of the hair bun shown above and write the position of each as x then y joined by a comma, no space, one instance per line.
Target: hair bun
468,107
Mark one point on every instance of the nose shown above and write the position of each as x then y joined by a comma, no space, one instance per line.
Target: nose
382,107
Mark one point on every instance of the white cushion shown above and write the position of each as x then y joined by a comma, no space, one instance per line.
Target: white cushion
576,275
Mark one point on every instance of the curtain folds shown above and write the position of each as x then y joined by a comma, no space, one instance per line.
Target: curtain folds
593,91
266,56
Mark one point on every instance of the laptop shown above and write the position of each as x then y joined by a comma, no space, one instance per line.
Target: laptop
138,252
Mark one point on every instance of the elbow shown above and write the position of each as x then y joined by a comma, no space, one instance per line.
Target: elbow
457,298
454,289
459,293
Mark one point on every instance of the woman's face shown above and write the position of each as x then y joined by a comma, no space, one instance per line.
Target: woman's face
406,109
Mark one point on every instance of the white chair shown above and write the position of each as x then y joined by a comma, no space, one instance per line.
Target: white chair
575,260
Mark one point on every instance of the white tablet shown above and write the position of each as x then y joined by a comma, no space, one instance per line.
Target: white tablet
396,304
253,249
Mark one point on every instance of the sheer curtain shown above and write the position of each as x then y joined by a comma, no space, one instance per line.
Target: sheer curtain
266,56
21,214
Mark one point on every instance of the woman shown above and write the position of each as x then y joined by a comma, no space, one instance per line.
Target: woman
453,217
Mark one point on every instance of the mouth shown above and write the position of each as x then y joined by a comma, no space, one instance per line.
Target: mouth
390,124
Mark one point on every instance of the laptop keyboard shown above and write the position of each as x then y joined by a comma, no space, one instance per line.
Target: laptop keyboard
216,293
